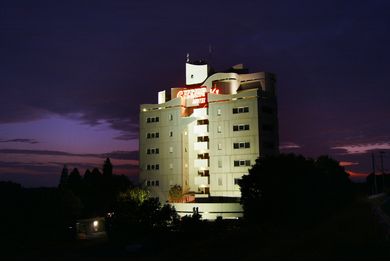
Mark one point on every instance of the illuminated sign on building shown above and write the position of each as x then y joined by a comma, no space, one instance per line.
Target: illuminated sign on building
196,95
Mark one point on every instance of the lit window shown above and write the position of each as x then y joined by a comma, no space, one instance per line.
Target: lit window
219,129
170,165
219,112
219,146
170,149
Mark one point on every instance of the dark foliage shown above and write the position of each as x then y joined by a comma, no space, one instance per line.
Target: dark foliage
293,190
97,192
137,215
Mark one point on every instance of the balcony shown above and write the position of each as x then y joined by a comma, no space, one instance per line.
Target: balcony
201,130
198,146
202,181
201,163
199,112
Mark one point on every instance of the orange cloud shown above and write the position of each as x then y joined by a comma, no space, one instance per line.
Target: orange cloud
347,163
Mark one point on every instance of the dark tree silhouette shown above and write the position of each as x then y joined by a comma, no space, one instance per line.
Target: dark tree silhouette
63,178
75,182
290,189
107,168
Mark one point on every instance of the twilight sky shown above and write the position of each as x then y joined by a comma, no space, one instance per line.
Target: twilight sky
73,74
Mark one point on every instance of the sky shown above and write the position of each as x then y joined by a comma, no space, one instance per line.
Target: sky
74,73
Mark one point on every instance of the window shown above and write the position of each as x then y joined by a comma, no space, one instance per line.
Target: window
219,181
148,183
241,127
157,167
239,110
148,167
148,135
157,183
219,112
170,166
170,149
219,129
157,151
157,135
219,146
152,119
219,163
241,145
236,180
152,183
170,117
203,122
242,162
148,151
170,133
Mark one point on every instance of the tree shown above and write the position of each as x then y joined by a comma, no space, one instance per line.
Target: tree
64,177
75,181
175,193
292,189
107,168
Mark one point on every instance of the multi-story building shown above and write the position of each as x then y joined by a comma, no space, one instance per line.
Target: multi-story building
205,135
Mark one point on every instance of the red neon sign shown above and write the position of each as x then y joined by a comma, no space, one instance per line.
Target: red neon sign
198,95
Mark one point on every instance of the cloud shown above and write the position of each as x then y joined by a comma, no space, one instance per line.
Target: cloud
289,145
348,163
357,176
362,148
20,140
122,155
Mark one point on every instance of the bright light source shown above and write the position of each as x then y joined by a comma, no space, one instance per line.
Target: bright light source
95,223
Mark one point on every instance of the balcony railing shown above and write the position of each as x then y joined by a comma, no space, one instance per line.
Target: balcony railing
201,146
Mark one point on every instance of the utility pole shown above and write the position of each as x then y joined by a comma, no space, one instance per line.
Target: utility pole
382,169
373,171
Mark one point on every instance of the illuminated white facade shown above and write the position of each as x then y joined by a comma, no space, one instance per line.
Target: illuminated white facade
204,136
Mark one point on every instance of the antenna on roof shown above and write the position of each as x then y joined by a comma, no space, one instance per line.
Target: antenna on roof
210,52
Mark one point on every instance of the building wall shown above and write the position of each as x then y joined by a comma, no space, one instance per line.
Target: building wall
243,100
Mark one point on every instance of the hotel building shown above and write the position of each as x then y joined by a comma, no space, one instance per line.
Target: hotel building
204,137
